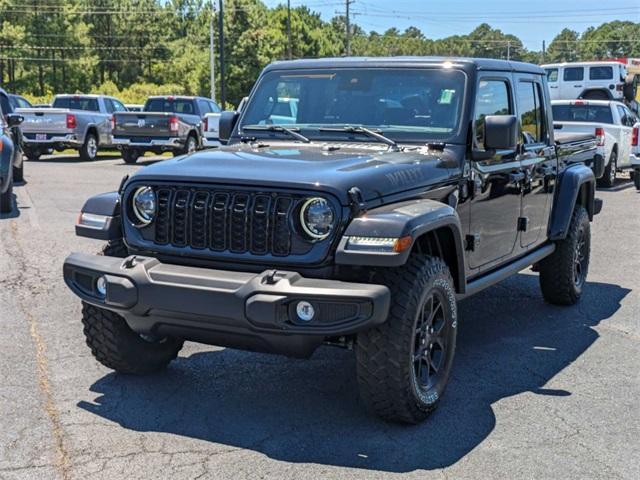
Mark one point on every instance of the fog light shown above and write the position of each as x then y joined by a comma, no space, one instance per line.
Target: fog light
305,311
101,286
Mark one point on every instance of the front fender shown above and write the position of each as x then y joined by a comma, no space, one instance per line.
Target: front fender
411,218
103,220
576,180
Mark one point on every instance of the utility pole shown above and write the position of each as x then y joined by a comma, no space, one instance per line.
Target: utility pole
508,50
289,47
544,50
212,58
348,29
223,97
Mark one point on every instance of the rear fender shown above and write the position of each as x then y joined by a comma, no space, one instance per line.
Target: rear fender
414,218
102,220
576,185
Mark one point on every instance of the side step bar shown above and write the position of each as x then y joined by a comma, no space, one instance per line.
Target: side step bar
506,271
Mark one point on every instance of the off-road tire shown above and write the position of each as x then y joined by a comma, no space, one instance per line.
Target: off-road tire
596,95
630,88
385,363
130,155
6,199
115,248
557,271
636,179
608,178
87,153
119,348
18,173
190,145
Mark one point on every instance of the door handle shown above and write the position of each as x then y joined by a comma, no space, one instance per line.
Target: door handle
577,86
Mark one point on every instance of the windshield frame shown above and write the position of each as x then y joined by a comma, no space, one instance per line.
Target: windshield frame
457,136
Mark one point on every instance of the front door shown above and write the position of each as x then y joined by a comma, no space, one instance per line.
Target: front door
572,83
495,203
537,159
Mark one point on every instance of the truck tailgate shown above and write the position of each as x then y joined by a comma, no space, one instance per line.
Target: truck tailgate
142,124
44,120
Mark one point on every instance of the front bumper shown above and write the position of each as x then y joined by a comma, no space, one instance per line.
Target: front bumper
163,143
233,309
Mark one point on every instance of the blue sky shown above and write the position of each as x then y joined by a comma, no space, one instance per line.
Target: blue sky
532,21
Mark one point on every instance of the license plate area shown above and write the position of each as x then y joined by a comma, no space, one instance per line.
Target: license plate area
41,136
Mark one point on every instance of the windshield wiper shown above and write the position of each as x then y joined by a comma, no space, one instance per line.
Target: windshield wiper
365,131
278,128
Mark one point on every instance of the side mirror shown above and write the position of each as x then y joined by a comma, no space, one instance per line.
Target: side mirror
500,132
228,122
13,120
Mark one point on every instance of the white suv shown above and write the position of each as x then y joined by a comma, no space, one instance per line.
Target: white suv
591,81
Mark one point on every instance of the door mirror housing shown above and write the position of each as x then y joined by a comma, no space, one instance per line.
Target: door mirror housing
228,120
500,132
13,120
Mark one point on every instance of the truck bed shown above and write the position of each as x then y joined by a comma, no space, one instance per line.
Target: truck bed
143,124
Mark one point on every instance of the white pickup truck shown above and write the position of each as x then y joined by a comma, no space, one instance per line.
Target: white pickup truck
615,126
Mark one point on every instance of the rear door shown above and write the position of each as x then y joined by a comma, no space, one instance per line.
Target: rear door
495,204
627,121
537,159
572,83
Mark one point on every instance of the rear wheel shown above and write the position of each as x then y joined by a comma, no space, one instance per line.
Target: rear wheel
636,179
404,364
89,150
608,180
33,156
630,88
190,146
596,95
564,272
130,155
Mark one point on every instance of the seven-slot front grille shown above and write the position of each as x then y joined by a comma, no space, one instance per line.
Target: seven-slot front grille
222,220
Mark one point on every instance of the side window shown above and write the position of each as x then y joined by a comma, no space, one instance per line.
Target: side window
213,106
573,74
203,106
532,123
492,98
552,75
118,106
600,73
631,117
108,105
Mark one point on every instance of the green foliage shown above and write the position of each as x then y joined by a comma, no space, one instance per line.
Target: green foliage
144,47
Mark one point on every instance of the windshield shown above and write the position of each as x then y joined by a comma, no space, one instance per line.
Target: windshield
88,104
582,113
404,104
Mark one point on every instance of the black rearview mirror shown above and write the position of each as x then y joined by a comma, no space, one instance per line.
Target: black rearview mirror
228,121
500,132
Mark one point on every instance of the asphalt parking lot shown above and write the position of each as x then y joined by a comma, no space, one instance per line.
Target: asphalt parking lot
537,391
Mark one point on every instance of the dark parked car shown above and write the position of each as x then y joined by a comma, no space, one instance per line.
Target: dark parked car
8,168
397,187
7,102
165,124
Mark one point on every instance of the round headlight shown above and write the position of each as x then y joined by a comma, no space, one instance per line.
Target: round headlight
144,204
316,218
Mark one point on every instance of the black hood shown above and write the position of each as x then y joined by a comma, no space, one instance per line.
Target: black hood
332,168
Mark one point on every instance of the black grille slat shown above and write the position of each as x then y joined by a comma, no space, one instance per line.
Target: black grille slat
162,220
181,218
199,220
260,220
238,223
219,210
224,221
281,232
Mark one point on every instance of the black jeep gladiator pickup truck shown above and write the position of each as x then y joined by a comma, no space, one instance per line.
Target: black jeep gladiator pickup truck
401,186
166,123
